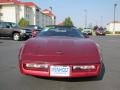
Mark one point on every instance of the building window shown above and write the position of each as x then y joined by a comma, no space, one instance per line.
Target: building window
1,14
0,6
37,10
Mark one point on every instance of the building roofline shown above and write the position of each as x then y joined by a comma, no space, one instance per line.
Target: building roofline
29,4
113,22
5,3
48,12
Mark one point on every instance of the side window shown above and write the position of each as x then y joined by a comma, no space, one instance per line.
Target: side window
7,26
1,25
4,25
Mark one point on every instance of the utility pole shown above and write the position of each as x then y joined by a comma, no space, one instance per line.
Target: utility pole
115,5
85,18
50,9
101,21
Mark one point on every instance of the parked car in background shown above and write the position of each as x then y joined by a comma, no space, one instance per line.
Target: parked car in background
61,52
88,31
33,29
10,29
100,31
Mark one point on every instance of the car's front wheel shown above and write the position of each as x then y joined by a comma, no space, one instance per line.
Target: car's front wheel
16,36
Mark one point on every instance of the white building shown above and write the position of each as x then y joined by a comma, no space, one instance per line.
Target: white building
113,27
8,11
14,10
49,17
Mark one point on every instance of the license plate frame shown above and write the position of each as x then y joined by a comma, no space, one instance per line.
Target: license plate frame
59,71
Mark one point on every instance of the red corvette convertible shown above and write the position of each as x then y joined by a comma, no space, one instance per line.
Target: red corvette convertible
61,52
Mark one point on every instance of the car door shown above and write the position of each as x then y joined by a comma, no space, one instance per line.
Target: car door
1,29
6,30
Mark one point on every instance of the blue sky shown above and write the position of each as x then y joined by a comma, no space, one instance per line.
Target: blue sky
99,12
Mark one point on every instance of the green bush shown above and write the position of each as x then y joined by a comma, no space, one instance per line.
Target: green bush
23,22
117,32
108,32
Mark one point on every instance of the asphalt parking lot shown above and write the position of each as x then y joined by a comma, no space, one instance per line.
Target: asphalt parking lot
11,79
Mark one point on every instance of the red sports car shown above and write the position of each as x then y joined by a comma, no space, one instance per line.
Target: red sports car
61,52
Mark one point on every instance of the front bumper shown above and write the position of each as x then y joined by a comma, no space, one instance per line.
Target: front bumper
71,75
100,33
25,35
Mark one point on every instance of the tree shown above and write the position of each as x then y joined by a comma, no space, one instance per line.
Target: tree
68,22
23,22
95,27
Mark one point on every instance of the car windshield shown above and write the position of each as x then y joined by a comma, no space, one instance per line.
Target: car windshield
14,25
87,29
61,31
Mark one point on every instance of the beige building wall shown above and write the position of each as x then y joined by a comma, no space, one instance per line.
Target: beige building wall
8,13
110,27
11,12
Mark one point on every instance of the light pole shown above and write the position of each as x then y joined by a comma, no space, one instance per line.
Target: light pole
50,9
53,17
85,18
101,21
115,5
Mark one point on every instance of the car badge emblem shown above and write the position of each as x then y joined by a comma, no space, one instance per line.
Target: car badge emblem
59,52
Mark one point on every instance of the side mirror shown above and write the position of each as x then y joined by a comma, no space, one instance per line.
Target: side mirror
85,35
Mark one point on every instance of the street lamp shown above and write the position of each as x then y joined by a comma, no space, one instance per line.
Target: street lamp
85,18
101,20
115,5
50,8
53,17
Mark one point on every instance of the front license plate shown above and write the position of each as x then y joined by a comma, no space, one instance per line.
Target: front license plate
60,71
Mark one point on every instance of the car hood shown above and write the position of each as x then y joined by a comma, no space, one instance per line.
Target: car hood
62,50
